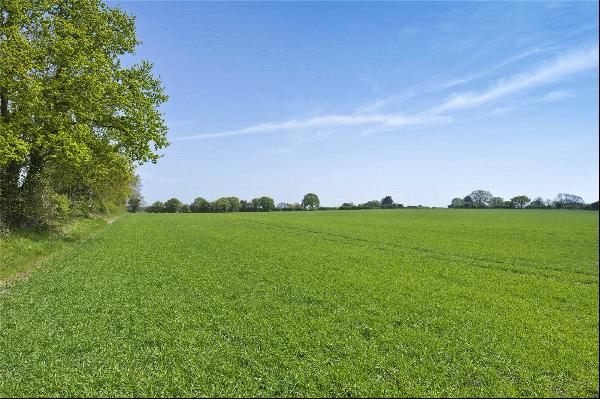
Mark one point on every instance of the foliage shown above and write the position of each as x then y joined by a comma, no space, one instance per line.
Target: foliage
563,200
568,201
311,201
520,201
173,205
387,202
156,207
468,202
537,203
73,119
480,198
284,206
200,205
496,202
226,204
262,204
457,203
135,200
373,204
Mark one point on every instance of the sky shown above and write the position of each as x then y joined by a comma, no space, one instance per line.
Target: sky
355,101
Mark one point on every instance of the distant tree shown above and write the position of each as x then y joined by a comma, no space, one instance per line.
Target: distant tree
157,207
245,206
263,204
267,204
184,208
135,200
508,204
226,204
480,198
387,202
520,201
311,201
283,206
569,201
468,202
537,203
496,202
172,205
549,203
594,206
233,204
219,205
254,205
373,204
200,205
457,203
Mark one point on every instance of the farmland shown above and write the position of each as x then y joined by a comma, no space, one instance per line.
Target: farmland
357,303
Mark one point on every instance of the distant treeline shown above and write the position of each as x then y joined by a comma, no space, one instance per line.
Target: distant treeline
231,204
261,204
485,199
477,199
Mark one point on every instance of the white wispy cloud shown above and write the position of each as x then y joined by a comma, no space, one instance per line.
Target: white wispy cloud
470,78
444,85
563,66
325,121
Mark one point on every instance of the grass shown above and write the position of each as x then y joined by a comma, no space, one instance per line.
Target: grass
356,303
21,250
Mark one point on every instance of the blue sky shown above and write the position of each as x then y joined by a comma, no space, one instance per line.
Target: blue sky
355,101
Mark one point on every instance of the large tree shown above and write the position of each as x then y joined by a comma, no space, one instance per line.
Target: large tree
74,120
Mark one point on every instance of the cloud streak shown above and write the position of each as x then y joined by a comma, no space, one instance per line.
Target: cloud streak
325,121
489,71
562,67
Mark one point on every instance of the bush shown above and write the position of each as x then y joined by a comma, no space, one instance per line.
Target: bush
43,208
4,230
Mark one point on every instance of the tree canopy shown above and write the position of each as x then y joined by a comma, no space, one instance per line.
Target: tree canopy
74,121
520,201
480,198
311,201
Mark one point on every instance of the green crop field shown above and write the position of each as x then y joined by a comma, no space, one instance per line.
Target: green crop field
354,303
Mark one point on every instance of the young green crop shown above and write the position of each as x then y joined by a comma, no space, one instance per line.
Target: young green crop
363,303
